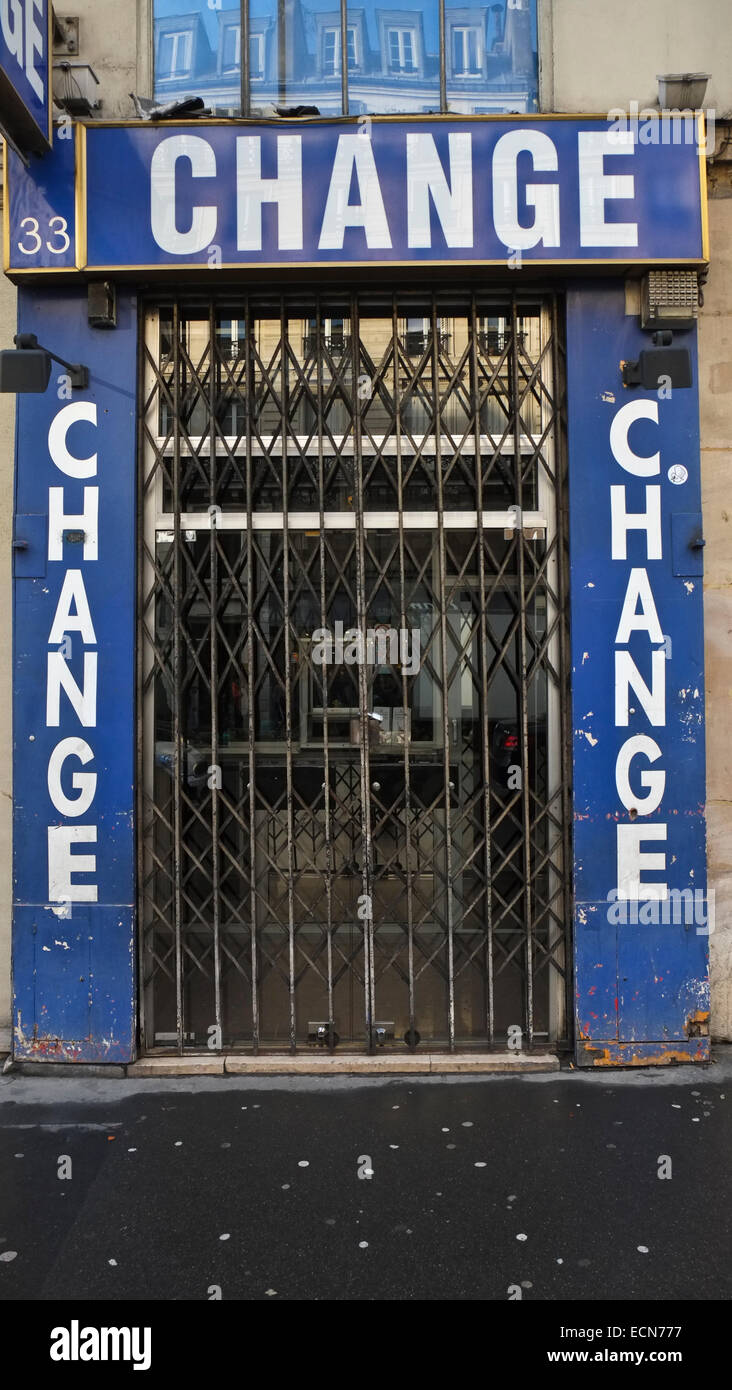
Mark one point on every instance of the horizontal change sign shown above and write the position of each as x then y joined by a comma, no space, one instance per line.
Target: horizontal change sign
455,190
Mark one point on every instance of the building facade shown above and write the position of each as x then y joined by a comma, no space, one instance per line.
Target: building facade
371,601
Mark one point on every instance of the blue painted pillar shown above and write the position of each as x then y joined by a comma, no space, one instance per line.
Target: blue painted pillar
642,919
74,692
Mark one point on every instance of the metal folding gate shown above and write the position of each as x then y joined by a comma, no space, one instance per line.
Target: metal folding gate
354,783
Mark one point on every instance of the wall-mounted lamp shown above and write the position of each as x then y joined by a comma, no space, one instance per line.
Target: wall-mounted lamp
27,369
681,91
660,365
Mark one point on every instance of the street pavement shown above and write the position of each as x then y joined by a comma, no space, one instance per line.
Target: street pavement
340,1188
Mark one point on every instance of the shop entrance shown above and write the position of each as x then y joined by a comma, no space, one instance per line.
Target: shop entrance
354,786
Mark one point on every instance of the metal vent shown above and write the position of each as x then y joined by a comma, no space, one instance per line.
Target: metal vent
670,299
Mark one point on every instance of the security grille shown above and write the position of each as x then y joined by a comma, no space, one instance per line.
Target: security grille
354,782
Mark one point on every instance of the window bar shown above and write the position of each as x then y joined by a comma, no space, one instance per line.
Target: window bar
177,687
405,691
285,433
361,620
523,671
324,677
344,56
214,672
246,99
251,673
282,52
443,61
484,695
442,563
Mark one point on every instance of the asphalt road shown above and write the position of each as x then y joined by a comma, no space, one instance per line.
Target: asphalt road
368,1189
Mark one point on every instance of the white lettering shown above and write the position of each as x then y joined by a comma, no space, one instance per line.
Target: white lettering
61,424
64,620
204,219
426,178
85,783
632,862
58,522
596,188
285,191
83,701
544,198
648,521
628,677
354,152
639,745
62,864
642,467
630,619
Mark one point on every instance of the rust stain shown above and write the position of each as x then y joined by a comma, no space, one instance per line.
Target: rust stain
697,1024
665,1056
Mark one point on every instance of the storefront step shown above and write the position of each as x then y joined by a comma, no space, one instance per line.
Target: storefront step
352,1064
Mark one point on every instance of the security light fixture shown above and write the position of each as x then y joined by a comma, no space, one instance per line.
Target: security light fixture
102,304
660,365
682,91
26,369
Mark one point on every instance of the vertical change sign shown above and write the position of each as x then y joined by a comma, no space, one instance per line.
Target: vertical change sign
25,74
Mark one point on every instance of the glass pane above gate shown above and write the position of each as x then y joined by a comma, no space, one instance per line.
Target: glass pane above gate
454,399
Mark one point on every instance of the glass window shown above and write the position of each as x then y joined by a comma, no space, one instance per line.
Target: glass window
231,48
302,65
198,52
491,56
393,54
400,69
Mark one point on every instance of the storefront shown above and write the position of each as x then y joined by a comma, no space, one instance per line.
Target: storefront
358,629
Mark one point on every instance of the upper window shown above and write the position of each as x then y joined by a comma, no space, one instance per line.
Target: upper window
455,57
467,57
174,53
331,51
256,57
402,50
231,49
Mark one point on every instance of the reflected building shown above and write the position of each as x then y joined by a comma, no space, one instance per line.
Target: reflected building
392,60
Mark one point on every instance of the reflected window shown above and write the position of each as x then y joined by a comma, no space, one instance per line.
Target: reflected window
174,53
466,51
256,57
332,51
231,54
487,53
401,50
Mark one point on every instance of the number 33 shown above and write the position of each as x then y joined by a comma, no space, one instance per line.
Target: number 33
57,226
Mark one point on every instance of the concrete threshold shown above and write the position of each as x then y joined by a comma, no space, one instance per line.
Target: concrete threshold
349,1064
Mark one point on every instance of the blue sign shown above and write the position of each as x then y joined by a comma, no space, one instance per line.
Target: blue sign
74,693
25,72
642,915
431,191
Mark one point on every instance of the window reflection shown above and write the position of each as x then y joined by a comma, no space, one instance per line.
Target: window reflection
491,56
392,55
